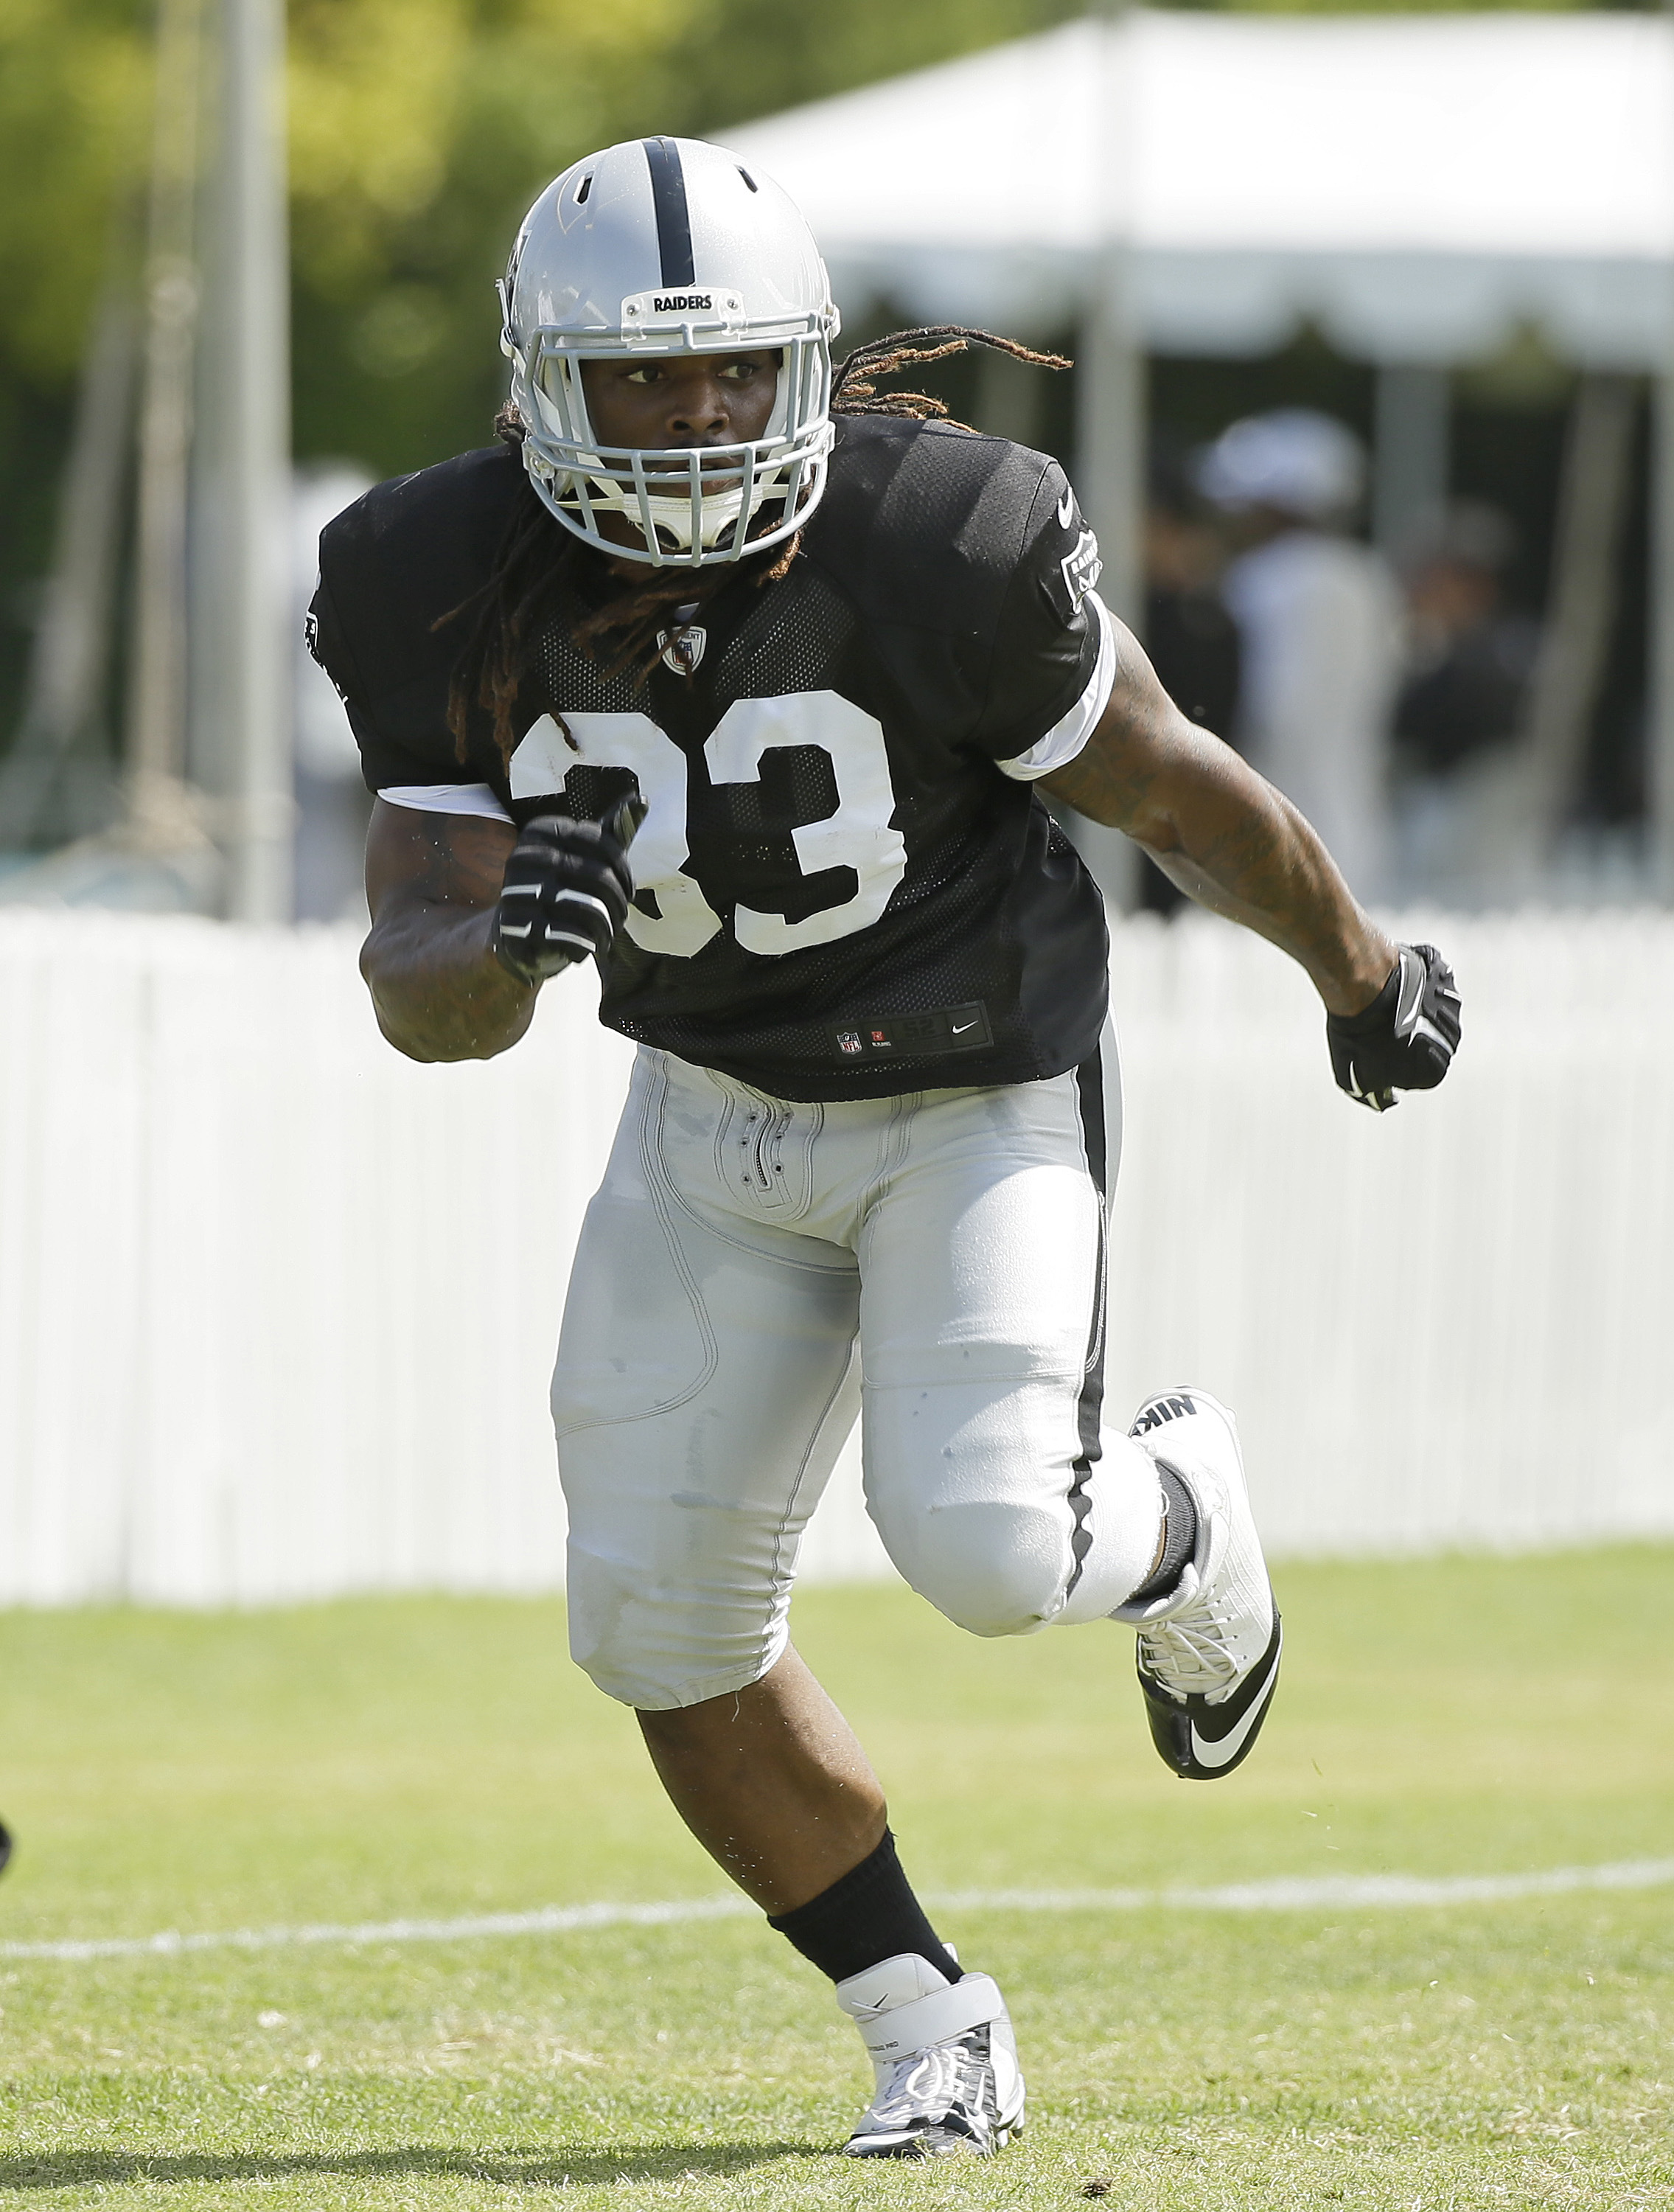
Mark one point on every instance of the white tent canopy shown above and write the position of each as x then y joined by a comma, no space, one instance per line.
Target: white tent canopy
1418,185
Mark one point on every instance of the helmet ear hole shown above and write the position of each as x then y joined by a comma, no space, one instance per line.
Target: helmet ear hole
747,178
584,188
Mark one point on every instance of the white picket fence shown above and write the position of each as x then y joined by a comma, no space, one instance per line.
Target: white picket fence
276,1306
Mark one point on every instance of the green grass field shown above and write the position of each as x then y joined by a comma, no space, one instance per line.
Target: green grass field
365,1761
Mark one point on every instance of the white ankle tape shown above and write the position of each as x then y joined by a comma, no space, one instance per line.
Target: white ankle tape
970,2003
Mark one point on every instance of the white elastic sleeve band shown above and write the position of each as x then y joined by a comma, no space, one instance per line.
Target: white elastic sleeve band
1066,739
446,799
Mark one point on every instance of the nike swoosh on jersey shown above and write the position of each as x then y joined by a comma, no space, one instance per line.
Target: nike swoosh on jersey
1066,509
1221,1751
960,1028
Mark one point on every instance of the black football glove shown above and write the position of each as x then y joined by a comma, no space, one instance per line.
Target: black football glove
566,892
1405,1040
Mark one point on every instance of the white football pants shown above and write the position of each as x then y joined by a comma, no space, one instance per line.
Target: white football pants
740,1253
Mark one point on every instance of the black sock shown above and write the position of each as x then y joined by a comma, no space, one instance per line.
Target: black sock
1179,1537
870,1913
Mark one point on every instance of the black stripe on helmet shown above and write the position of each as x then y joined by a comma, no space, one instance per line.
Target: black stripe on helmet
674,220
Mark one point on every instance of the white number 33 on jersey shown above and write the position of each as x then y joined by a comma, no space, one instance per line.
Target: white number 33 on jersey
855,835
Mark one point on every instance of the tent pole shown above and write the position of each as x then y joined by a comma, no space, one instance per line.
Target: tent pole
1659,646
1580,612
160,813
252,683
1110,382
1110,436
1110,430
1410,457
1008,403
52,769
1659,764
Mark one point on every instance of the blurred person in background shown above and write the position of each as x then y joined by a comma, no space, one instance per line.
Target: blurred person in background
1469,661
1320,618
1193,642
1470,656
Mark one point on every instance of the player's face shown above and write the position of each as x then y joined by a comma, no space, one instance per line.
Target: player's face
682,399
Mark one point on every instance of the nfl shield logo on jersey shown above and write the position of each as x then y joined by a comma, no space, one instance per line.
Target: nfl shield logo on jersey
682,649
848,1040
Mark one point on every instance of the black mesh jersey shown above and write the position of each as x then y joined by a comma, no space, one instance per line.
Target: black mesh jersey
840,893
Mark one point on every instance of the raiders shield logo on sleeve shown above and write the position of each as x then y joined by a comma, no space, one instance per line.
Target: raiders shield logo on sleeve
1082,569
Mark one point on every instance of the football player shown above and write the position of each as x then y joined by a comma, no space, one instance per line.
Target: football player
743,680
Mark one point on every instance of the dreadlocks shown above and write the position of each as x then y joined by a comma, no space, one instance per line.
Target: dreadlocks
854,387
532,578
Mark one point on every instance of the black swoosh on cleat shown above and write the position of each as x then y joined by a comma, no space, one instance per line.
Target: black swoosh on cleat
1202,1742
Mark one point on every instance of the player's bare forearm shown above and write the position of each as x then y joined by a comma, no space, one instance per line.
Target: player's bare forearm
1224,835
432,882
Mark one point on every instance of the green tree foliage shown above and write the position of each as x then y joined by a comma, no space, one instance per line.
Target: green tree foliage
75,87
421,129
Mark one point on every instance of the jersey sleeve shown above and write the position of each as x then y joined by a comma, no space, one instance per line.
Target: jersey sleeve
1053,659
393,567
387,757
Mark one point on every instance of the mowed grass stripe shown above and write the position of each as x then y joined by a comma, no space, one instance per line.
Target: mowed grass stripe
1345,1891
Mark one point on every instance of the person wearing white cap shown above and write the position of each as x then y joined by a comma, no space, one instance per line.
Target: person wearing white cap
1320,621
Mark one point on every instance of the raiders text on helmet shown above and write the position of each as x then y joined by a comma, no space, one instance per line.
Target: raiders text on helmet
668,246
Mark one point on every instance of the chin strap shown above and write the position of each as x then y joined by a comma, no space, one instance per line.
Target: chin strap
719,511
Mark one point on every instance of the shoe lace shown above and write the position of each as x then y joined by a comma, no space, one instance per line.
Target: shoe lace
1194,1654
930,2082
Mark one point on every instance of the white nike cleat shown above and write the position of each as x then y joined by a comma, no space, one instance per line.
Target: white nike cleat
1209,1650
945,2058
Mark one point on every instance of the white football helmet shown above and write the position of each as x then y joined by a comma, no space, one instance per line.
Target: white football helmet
669,245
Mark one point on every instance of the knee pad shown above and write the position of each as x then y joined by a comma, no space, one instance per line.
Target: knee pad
994,1569
660,1648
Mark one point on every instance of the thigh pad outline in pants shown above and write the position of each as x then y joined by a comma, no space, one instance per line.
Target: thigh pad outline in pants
989,1476
703,1388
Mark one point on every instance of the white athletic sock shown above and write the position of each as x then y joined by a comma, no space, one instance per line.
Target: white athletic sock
1122,1528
